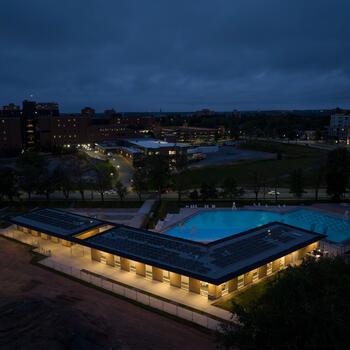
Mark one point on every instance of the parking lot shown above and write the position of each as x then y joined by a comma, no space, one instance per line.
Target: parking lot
229,154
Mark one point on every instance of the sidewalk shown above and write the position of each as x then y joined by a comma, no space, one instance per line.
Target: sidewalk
79,257
141,214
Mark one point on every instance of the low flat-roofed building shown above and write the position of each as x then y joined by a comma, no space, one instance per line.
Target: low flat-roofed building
214,262
56,223
211,269
157,147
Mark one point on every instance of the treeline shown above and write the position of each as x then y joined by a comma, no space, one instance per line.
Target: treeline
261,124
154,173
33,173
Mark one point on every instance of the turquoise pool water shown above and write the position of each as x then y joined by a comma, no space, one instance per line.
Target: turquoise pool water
213,225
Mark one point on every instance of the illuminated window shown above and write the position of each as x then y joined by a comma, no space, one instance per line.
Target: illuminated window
269,268
255,275
240,281
184,282
166,276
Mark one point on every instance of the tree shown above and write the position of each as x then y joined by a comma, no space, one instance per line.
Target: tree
212,191
121,190
204,191
290,313
63,180
180,183
30,166
47,183
338,170
8,180
297,183
276,184
320,171
257,182
79,169
105,174
139,182
181,161
194,195
230,189
157,172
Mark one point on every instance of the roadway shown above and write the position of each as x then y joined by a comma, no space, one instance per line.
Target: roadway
124,166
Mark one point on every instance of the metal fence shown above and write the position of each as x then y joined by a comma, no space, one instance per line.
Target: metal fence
139,296
128,292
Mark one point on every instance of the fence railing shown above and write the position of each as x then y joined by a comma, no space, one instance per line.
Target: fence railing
136,295
169,307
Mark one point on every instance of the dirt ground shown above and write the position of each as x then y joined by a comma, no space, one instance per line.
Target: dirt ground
42,310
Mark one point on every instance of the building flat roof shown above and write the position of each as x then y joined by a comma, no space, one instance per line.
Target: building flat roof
55,222
154,143
215,262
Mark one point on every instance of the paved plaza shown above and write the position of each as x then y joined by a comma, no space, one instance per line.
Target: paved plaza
79,257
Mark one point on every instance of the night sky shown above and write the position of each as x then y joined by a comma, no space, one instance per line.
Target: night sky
176,55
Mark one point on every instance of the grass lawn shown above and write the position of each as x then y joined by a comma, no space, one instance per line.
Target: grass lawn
246,296
290,150
243,171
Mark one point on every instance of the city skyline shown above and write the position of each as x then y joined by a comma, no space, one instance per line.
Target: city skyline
176,57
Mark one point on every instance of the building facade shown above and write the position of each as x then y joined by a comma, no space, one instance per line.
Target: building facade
339,127
186,133
40,126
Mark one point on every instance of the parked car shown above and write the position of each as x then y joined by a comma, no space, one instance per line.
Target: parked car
273,193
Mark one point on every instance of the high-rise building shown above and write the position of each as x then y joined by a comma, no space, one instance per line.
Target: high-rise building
10,130
29,124
47,108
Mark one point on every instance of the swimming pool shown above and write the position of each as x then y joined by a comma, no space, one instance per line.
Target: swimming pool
213,225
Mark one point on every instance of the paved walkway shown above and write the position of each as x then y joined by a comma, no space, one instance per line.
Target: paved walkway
141,214
79,257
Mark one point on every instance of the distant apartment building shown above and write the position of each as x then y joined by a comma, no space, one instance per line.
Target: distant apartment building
80,129
187,133
47,108
10,131
137,122
205,112
40,126
339,127
88,111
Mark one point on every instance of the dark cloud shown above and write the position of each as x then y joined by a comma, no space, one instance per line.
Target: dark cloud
135,55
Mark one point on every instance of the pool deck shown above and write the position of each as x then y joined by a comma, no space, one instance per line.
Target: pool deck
339,211
172,220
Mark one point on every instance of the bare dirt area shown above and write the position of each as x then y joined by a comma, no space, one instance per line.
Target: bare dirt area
42,310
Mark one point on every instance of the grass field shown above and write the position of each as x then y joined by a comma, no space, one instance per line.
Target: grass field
243,172
293,157
246,296
287,150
